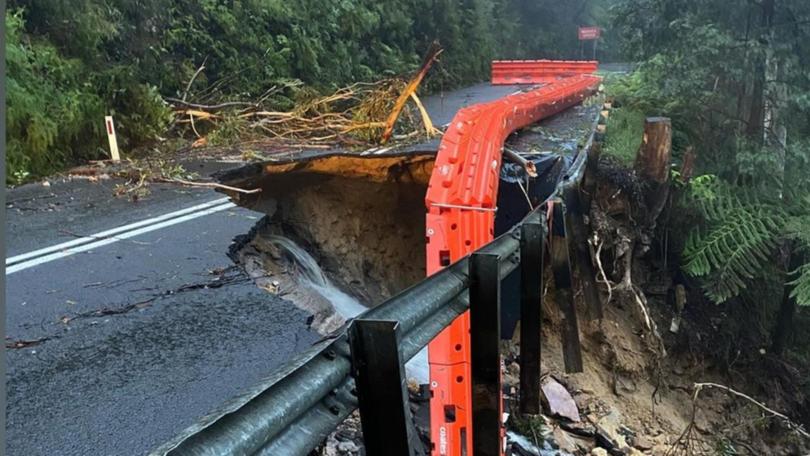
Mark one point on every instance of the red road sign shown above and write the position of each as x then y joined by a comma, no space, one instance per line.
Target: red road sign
589,33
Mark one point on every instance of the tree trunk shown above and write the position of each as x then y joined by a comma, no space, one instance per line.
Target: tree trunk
756,116
780,335
655,154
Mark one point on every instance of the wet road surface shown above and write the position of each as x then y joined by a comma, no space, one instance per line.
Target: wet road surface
138,339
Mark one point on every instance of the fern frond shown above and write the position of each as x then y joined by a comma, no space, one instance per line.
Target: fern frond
740,240
801,285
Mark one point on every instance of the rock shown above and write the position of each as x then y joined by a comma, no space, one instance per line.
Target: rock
580,429
348,447
702,422
634,452
624,385
607,429
330,450
344,435
642,443
559,400
567,442
599,452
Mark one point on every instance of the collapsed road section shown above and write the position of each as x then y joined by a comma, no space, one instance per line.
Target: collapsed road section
295,409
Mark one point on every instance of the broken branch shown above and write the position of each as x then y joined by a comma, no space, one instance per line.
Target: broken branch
788,422
432,54
209,185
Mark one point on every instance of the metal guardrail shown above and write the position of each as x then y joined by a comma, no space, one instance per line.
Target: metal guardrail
296,408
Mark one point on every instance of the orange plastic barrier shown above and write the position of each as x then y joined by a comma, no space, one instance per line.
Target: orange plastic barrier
461,204
537,71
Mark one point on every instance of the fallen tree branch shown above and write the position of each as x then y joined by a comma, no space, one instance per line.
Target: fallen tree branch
23,343
429,128
208,185
514,157
799,429
689,444
227,104
432,54
191,81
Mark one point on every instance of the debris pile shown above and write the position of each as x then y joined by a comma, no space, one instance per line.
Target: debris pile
354,116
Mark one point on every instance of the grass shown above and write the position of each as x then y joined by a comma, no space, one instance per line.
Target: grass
623,135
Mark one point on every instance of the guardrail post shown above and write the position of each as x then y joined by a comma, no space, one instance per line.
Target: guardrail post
531,283
579,254
485,340
561,267
381,389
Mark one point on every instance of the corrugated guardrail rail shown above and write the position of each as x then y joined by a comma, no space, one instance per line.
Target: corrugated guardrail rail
296,408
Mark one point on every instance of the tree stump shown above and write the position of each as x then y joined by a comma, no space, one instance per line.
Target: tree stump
654,155
652,163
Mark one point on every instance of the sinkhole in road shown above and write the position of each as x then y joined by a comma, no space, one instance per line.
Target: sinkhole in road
339,235
357,221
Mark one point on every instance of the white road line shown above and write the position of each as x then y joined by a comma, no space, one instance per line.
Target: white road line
125,235
111,232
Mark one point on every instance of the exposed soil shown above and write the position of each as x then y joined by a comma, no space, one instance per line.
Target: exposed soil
363,220
637,387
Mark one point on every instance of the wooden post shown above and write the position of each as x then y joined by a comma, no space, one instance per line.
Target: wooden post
561,268
654,155
108,121
579,255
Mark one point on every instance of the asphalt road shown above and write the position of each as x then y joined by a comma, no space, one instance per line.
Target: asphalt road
120,347
139,338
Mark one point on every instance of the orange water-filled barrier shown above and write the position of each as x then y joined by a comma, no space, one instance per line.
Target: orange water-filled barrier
538,71
461,205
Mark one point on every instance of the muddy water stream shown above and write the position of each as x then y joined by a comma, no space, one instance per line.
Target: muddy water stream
312,276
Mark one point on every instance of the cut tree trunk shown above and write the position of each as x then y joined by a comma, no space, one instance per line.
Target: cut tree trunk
652,163
654,155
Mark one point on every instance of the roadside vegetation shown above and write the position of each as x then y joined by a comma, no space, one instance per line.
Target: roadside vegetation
732,76
72,62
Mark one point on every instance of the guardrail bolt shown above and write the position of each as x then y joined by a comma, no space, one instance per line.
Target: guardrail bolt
330,354
335,410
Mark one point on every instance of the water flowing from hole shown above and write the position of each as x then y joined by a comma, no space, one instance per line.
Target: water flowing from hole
347,306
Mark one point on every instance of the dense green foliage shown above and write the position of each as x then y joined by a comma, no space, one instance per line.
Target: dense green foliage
72,61
742,231
732,75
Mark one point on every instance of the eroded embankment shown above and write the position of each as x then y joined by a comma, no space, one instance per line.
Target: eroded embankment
360,219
